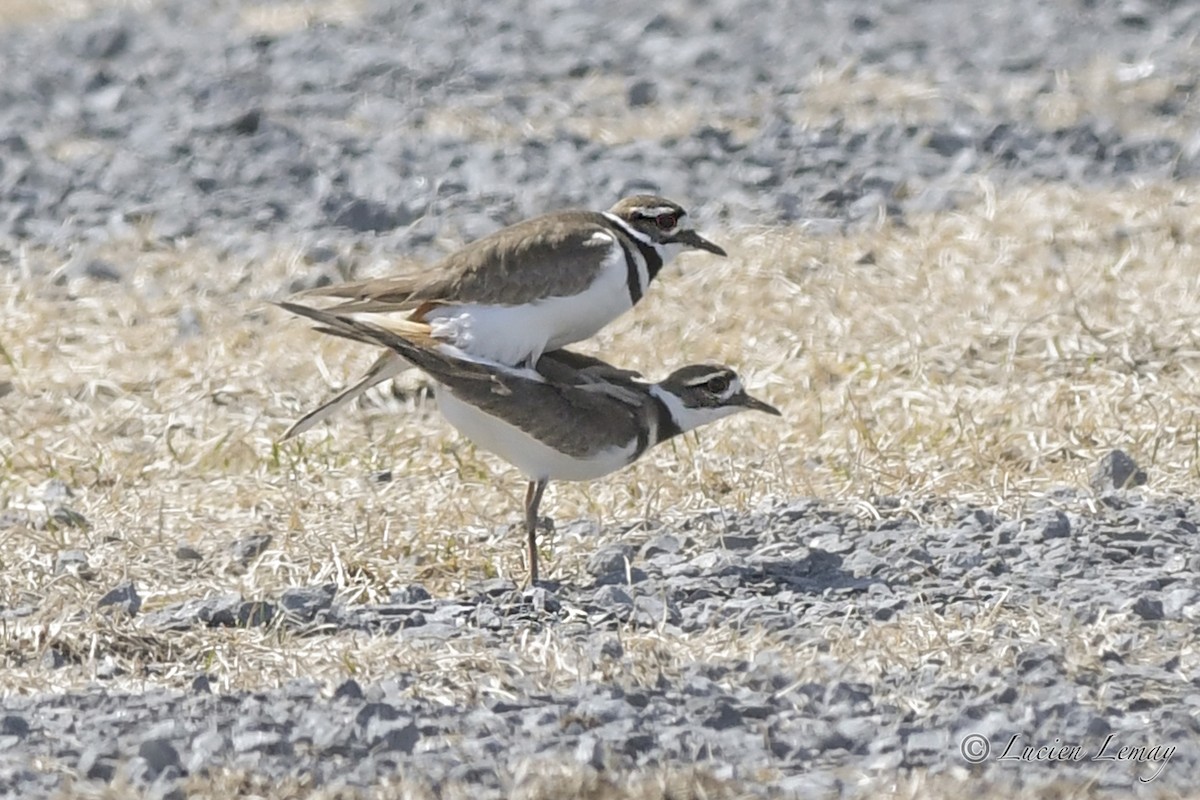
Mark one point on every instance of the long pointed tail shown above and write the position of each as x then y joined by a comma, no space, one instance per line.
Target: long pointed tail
388,365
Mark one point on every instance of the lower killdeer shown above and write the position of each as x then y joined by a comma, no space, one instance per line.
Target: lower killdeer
534,286
573,418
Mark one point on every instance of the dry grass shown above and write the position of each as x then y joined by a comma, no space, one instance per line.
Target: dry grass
988,355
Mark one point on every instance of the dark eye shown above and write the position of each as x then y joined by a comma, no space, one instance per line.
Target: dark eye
717,384
665,222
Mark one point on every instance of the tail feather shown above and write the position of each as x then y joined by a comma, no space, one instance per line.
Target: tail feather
408,342
388,365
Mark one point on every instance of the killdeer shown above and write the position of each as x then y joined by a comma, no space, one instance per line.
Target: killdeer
534,286
573,418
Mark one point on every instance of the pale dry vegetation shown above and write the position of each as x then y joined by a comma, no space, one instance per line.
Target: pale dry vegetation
987,356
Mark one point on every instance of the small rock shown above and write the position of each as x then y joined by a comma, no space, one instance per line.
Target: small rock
1180,603
304,602
1149,608
13,725
612,598
160,755
369,216
663,543
100,270
494,587
248,741
254,613
724,718
947,144
740,542
105,43
98,762
349,690
185,552
653,612
609,559
642,93
248,548
123,597
1117,471
543,600
410,595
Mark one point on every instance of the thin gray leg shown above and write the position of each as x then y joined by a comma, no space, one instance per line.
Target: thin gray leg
533,498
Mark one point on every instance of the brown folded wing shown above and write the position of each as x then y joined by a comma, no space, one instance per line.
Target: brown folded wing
555,255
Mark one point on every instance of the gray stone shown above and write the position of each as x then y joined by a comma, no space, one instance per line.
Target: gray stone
410,595
14,725
1149,608
653,612
303,603
1181,604
98,762
248,548
123,597
642,93
1116,471
663,544
185,552
160,755
610,559
612,598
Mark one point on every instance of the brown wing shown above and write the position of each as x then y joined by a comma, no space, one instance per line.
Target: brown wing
575,419
567,366
554,255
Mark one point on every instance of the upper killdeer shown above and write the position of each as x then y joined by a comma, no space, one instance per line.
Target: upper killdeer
572,418
534,286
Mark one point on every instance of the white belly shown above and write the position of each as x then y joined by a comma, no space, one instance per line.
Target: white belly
536,460
516,334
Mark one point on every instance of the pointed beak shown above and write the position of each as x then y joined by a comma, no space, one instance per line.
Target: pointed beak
693,239
754,404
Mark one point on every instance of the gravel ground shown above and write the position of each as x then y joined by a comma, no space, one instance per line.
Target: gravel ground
789,572
407,123
414,120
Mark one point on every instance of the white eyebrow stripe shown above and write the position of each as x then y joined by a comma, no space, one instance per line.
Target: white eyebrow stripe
659,210
703,379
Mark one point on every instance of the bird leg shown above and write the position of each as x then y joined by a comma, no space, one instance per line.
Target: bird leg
533,498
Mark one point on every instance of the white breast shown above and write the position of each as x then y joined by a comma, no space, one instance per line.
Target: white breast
536,460
516,334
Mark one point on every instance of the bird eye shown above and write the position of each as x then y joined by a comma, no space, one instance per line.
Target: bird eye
717,384
665,221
